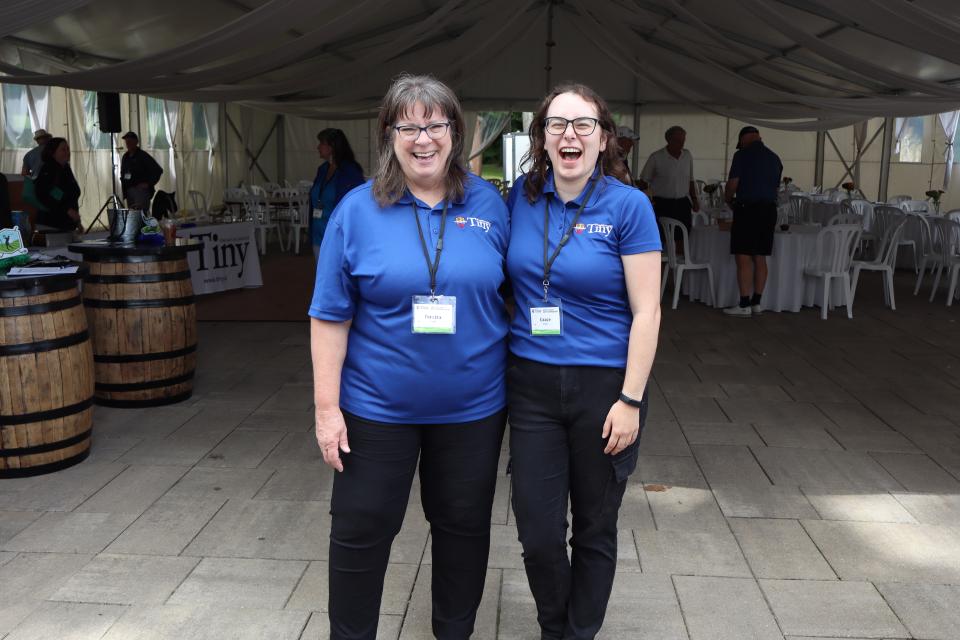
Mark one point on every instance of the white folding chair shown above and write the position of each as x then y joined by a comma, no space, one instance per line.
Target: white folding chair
931,246
834,254
896,200
256,209
953,263
845,218
680,264
300,221
699,219
886,261
945,237
915,206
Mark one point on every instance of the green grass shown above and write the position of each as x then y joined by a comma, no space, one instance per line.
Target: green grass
491,171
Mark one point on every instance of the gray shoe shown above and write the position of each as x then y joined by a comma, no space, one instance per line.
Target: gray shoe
756,309
738,311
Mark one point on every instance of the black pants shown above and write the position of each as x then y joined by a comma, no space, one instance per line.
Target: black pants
556,420
458,469
676,208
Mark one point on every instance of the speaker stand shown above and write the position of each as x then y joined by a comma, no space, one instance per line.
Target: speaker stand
118,203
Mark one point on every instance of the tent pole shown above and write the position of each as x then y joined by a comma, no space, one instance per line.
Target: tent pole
818,158
635,157
885,154
549,44
281,149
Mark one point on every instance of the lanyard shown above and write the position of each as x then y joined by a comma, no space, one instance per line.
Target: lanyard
548,261
432,268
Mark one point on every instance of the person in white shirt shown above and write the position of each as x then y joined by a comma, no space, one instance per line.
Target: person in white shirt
668,178
32,161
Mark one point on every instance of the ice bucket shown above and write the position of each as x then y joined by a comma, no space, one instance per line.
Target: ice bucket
124,224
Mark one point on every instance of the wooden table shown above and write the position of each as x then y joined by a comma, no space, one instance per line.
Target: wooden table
46,375
139,303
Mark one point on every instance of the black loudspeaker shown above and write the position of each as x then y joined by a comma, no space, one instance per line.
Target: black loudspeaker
108,110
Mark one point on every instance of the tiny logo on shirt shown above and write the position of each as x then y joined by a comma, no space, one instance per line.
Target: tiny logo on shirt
602,229
470,221
580,228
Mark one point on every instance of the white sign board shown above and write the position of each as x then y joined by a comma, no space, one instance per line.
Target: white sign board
229,259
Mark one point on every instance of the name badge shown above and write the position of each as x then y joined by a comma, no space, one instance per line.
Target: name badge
546,319
127,176
435,314
317,214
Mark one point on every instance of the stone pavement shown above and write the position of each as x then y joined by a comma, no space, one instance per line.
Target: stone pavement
798,479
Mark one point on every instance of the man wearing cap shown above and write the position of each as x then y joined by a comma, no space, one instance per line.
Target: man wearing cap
751,192
625,139
33,160
139,173
668,177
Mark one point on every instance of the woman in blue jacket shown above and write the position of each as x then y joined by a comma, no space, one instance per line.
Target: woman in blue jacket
338,174
584,261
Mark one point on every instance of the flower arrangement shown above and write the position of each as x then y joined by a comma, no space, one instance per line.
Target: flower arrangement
850,187
710,188
787,180
935,195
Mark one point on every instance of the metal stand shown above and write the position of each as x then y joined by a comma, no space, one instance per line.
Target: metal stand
118,203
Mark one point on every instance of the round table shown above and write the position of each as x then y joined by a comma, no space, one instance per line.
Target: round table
139,302
46,375
787,289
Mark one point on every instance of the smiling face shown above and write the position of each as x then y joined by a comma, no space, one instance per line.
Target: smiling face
423,160
572,155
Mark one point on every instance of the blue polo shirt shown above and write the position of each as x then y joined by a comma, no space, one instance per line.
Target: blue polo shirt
371,264
587,275
758,169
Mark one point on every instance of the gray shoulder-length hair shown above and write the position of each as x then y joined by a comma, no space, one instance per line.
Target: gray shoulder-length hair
389,184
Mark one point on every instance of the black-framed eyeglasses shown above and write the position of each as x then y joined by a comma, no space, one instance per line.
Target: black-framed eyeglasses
557,126
435,130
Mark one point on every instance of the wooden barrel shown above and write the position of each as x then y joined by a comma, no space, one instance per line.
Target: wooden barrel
143,324
46,376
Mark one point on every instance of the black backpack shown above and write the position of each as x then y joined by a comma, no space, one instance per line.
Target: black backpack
164,204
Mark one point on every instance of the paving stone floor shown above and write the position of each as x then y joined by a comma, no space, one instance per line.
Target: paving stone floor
799,478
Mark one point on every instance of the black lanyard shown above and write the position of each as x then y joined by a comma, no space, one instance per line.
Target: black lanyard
431,267
548,261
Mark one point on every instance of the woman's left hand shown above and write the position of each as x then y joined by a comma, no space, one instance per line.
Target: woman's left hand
622,426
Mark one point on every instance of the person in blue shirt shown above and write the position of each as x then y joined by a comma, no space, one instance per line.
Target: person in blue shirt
408,334
751,191
338,174
584,263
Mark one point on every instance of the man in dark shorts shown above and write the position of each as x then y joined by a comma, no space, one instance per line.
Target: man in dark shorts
751,192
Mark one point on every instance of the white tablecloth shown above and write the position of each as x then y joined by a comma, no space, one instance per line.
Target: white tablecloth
787,289
229,259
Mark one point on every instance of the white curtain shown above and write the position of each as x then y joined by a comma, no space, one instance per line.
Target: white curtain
211,120
490,125
948,121
37,99
898,132
171,116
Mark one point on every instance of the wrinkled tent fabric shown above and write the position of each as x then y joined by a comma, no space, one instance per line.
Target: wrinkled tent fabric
785,64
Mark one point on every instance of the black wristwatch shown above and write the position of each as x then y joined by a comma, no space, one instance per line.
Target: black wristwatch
630,401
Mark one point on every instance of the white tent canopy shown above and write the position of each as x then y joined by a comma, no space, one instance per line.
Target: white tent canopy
793,64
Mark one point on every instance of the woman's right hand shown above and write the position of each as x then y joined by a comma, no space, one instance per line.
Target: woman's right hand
332,436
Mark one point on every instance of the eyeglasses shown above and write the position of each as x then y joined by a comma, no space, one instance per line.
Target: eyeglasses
435,130
581,126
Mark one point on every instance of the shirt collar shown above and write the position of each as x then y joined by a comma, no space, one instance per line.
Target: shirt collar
549,187
408,197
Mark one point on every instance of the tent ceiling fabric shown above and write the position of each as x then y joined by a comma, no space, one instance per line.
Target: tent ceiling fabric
791,64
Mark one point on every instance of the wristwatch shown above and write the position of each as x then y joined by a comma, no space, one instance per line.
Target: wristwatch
630,401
